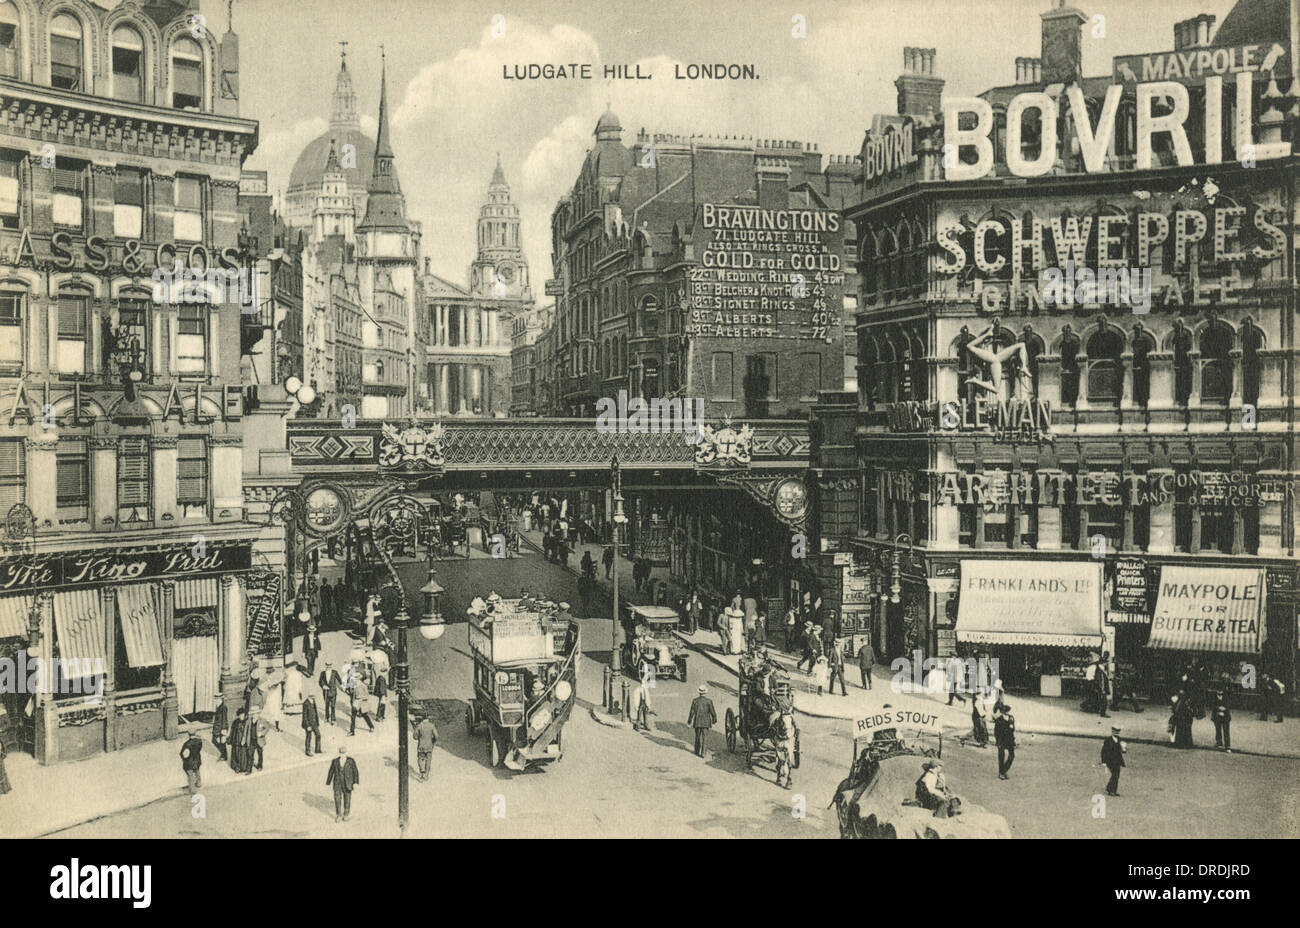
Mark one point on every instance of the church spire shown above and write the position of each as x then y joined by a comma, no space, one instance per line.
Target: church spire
385,206
343,111
498,176
382,149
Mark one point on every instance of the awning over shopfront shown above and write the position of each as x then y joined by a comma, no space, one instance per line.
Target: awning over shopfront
139,618
196,594
79,624
1054,603
14,612
1209,609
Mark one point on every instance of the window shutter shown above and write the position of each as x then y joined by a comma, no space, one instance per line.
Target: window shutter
133,472
72,317
192,470
129,188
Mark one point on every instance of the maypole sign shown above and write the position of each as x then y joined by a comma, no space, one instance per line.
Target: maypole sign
1194,66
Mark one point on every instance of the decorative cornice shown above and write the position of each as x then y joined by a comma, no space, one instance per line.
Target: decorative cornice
226,441
103,442
164,442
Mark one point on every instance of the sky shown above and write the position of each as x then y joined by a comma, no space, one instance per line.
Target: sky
452,111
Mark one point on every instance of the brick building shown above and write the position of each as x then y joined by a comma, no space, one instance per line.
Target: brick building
121,152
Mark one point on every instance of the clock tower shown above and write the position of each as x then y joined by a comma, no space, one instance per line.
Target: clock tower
499,272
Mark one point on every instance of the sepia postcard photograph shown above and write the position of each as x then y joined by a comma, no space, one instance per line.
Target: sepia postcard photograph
759,420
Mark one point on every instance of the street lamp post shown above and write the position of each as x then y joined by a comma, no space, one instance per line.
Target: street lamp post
620,519
431,627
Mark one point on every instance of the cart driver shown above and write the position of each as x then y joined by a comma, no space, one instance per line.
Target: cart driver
782,727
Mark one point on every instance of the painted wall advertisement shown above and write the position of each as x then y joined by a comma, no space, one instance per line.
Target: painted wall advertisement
767,273
1130,585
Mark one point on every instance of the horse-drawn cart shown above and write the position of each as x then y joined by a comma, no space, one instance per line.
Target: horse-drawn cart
765,722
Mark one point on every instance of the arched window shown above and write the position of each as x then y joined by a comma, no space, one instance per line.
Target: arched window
1105,351
379,371
128,65
867,363
867,268
917,374
67,57
187,74
902,262
1216,363
9,40
1143,346
888,372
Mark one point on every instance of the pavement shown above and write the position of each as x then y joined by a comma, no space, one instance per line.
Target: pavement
618,783
1034,714
111,783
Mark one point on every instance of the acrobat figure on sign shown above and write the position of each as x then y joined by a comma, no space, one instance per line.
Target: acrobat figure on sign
994,359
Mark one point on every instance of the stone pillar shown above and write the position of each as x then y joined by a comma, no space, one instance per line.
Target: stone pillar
166,509
52,333
1270,521
231,621
167,621
444,389
108,609
1162,381
41,642
1162,515
1049,520
41,491
103,483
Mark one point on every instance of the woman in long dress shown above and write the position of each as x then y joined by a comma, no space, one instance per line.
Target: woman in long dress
293,682
737,636
272,711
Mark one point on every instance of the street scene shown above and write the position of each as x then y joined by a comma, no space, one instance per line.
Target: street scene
443,422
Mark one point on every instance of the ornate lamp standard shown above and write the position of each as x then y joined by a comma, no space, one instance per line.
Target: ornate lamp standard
620,519
431,626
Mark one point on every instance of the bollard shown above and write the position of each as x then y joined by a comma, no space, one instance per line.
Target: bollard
605,692
626,714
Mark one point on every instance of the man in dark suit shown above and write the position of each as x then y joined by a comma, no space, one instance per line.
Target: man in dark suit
327,601
330,684
1004,732
1112,755
192,761
702,718
310,723
343,776
836,668
311,646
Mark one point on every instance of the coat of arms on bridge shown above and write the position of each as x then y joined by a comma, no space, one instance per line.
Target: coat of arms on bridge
727,446
412,448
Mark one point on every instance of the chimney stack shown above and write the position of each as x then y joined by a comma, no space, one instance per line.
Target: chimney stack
919,91
1062,55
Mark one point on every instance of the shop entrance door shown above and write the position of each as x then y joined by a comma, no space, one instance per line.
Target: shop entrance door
197,669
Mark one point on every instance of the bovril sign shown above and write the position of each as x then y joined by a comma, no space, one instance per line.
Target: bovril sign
887,152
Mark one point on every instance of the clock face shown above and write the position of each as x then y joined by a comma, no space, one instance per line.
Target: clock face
507,272
792,499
